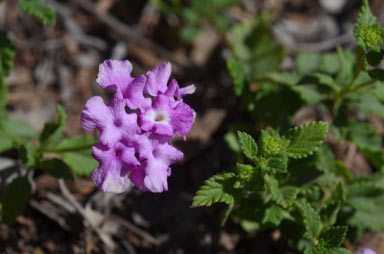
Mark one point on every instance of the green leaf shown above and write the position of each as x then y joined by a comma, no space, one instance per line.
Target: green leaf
189,32
363,135
254,45
81,162
239,73
44,12
15,198
374,58
231,140
286,78
333,237
7,53
275,164
365,20
338,251
21,129
57,168
311,218
339,193
329,214
325,160
368,103
308,93
53,131
272,144
307,62
329,63
284,196
218,188
3,96
248,145
375,156
77,143
29,155
272,216
6,142
306,139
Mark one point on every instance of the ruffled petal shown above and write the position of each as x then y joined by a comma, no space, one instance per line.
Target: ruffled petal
134,94
95,114
110,175
157,79
167,154
182,119
156,174
137,177
115,74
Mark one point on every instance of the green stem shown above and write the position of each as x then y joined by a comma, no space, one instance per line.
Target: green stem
362,85
80,148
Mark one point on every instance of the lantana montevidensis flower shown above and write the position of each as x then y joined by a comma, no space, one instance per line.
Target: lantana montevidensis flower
136,127
365,251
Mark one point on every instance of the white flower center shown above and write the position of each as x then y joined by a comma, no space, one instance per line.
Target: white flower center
159,116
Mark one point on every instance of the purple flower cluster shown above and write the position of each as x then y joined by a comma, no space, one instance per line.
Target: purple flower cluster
135,128
365,251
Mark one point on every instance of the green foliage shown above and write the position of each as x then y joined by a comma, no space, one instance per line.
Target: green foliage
367,31
333,237
44,12
311,219
218,188
81,162
57,168
7,53
248,145
53,131
306,139
29,155
14,199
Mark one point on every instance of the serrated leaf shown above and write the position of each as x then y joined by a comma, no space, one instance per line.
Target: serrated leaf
275,164
239,73
248,145
284,196
272,143
53,131
15,198
333,237
7,53
218,188
81,162
311,218
306,139
364,19
329,214
57,168
44,12
272,216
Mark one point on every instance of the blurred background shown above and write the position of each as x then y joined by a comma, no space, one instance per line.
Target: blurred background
59,64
